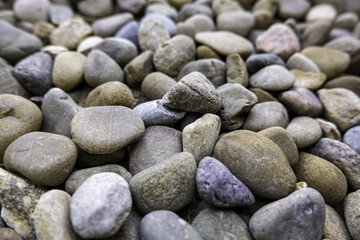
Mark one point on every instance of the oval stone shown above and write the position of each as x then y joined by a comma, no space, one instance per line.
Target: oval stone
352,213
335,227
304,130
156,85
352,138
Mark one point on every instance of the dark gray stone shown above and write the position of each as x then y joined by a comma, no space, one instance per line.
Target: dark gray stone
258,61
352,138
219,187
129,31
168,23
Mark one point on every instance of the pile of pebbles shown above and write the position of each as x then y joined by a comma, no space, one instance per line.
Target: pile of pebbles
180,119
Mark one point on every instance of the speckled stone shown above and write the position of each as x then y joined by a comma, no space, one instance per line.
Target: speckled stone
334,227
139,68
352,212
301,62
152,34
256,62
236,71
300,215
167,185
107,26
270,176
155,85
310,80
304,130
323,176
8,233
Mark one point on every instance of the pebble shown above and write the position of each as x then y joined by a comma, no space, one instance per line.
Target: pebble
329,129
168,23
346,20
200,93
77,177
213,69
86,45
174,54
259,61
334,227
133,6
52,216
310,80
119,49
301,101
95,9
315,33
156,145
163,224
15,43
191,9
43,31
304,130
106,129
266,114
199,137
152,34
294,9
163,8
111,93
341,106
239,22
352,138
59,13
68,70
86,160
94,73
225,42
285,141
169,184
35,73
342,156
7,233
70,33
129,31
100,205
219,187
352,212
300,62
347,44
32,10
194,24
203,52
323,176
139,68
156,113
236,101
130,229
262,95
321,12
44,158
236,71
237,149
290,216
53,50
272,78
214,224
18,117
107,26
155,85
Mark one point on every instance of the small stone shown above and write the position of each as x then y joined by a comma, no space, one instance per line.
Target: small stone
341,106
316,33
348,44
191,9
301,62
68,70
225,42
309,80
139,68
129,31
157,144
52,216
239,22
59,13
155,85
347,20
96,9
167,185
70,33
329,129
7,233
156,113
100,205
293,9
349,82
53,50
204,52
304,130
321,12
352,138
77,177
152,34
220,6
194,24
199,137
86,45
168,23
258,61
130,229
272,78
34,72
237,151
163,224
236,71
299,215
107,26
335,227
193,93
352,212
161,8
133,6
323,176
43,31
266,114
32,10
262,95
102,130
213,224
301,101
94,72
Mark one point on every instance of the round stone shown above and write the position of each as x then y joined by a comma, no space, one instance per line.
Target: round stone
156,85
294,9
309,80
347,20
304,130
32,10
95,9
101,130
100,205
133,6
256,62
59,13
351,212
352,138
129,31
191,9
152,34
301,62
239,22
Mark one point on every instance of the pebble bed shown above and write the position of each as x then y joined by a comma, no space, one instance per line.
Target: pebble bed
180,119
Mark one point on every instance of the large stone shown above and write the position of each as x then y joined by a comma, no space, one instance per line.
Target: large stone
352,213
32,10
334,227
304,130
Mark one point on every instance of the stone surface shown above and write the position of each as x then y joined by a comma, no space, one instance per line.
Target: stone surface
321,12
133,6
239,22
236,71
108,26
101,130
352,138
300,215
44,158
18,117
203,52
52,216
266,114
168,185
310,80
334,227
156,145
129,31
270,176
316,33
258,61
341,106
139,68
168,23
194,93
7,233
293,9
191,9
152,34
95,9
350,82
301,62
155,85
323,176
59,13
32,10
329,129
352,213
304,130
100,205
199,137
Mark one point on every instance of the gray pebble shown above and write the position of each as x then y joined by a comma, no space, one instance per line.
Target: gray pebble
258,61
129,31
108,26
133,6
191,9
352,138
168,23
305,131
335,227
329,129
152,34
95,9
236,71
301,62
32,10
239,22
88,43
161,8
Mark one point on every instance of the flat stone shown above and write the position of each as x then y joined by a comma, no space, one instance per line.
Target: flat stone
341,106
32,10
133,6
294,9
321,12
152,34
350,82
239,22
156,113
139,68
95,9
266,114
236,150
288,219
193,93
87,44
101,130
342,156
214,224
156,145
351,212
107,26
100,205
94,72
167,185
52,216
316,33
163,224
329,129
304,130
301,62
323,176
77,177
155,85
8,83
256,62
334,227
309,80
236,71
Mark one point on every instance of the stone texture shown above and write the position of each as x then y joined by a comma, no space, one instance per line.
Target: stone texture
96,9
195,24
133,6
129,31
352,212
334,227
236,71
329,129
301,62
256,62
321,12
352,138
7,233
350,82
108,26
155,85
239,22
315,34
304,130
139,68
310,80
32,10
152,34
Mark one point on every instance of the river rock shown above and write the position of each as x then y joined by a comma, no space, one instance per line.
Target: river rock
321,12
315,34
262,95
304,130
236,71
32,10
239,22
133,6
256,62
139,68
350,82
204,52
294,9
191,9
161,8
107,26
129,31
352,138
59,13
334,227
301,62
168,23
352,212
152,34
95,9
309,80
329,129
155,85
